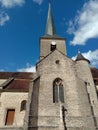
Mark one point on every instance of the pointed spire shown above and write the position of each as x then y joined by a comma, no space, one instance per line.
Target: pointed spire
50,28
81,57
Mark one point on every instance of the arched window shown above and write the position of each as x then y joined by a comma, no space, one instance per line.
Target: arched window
58,91
23,105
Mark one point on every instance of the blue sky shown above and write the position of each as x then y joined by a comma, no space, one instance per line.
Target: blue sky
22,22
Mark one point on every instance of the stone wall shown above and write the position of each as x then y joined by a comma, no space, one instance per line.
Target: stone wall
45,46
84,73
47,115
79,114
12,100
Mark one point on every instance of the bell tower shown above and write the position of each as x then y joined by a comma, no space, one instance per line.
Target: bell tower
51,41
62,94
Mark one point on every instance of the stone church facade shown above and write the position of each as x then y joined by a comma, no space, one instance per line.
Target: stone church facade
61,95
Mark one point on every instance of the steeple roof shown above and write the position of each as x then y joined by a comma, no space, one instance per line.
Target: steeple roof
50,31
50,27
81,57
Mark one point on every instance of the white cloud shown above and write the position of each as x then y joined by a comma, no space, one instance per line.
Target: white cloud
92,56
11,3
28,68
3,18
38,1
85,24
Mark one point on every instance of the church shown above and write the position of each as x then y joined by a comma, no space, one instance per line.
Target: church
61,95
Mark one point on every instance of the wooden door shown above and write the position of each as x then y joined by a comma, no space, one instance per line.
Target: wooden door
10,117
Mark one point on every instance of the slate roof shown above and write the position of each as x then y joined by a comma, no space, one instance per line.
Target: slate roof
50,26
19,84
16,81
81,57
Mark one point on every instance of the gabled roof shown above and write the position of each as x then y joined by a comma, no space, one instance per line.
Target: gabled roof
51,53
19,84
16,81
22,75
